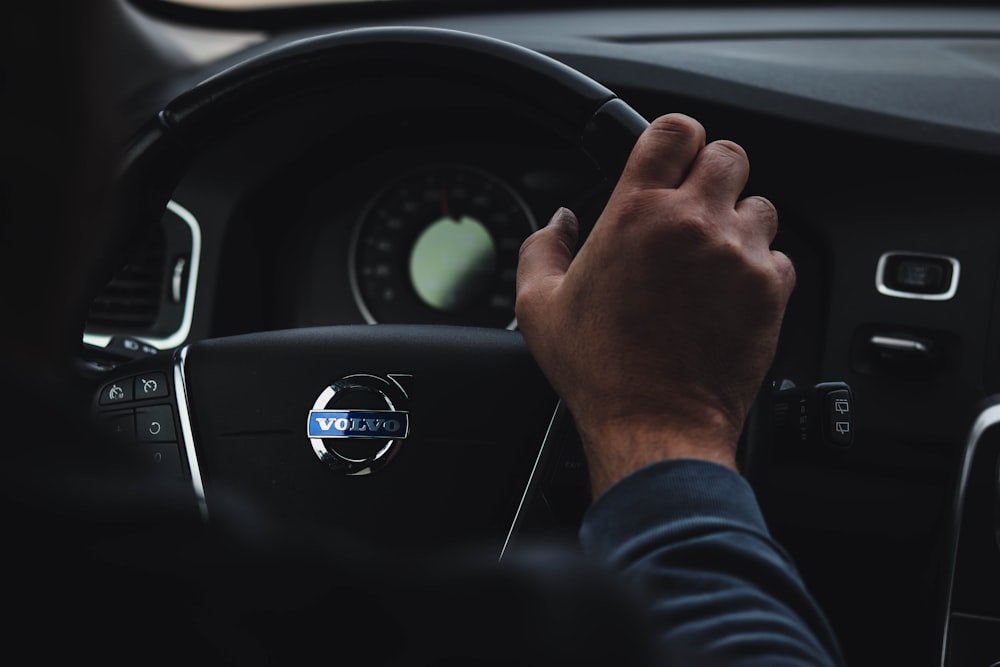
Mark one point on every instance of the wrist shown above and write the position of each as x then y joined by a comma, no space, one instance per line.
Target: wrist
615,449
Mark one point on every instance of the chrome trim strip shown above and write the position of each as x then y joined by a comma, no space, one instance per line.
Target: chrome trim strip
976,617
177,280
988,418
888,291
180,336
187,432
532,479
902,344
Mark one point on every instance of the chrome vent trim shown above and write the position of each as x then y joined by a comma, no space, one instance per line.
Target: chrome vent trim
179,335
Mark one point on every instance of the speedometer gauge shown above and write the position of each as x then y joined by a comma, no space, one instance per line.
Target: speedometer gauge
440,246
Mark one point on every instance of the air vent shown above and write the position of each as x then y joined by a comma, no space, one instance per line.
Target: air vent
130,302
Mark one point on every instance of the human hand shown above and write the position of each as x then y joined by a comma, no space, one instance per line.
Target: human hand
658,334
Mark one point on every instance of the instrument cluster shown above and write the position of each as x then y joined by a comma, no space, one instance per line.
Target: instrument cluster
439,245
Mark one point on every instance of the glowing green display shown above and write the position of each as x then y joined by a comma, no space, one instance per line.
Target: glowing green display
452,262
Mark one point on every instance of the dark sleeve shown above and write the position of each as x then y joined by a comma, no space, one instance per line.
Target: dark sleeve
719,589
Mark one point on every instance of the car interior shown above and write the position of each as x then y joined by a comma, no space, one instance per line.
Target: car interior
327,200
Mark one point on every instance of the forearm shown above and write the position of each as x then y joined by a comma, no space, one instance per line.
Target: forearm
720,591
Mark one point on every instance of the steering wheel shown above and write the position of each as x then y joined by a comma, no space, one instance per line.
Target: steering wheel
403,435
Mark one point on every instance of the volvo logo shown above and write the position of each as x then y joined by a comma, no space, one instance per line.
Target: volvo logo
358,422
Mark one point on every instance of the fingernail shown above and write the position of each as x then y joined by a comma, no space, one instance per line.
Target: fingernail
558,215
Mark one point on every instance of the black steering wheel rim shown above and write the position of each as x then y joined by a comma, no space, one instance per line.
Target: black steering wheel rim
567,101
480,379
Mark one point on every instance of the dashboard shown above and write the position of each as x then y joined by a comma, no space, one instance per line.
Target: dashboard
874,132
419,231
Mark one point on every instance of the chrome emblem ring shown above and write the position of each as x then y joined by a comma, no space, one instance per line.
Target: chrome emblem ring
357,423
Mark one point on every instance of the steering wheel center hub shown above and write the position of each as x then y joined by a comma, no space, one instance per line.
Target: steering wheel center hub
358,422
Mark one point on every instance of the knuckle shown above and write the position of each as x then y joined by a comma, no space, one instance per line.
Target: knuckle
696,228
631,211
531,240
527,302
675,124
693,223
670,130
729,150
785,269
522,301
764,206
681,224
762,280
520,306
534,239
773,276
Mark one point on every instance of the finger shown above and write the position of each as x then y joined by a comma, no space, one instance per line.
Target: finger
547,253
786,272
663,154
760,218
719,173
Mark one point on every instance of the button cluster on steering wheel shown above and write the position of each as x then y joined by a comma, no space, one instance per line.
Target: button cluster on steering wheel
131,411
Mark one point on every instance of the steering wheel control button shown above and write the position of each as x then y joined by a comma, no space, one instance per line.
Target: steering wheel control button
114,393
151,385
165,457
119,425
155,424
137,388
917,276
358,422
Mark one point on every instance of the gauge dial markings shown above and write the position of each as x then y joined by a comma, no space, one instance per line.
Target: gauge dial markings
439,245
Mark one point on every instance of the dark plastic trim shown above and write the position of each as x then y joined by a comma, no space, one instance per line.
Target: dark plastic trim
284,18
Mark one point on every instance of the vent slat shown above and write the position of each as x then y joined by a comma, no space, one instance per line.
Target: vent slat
130,302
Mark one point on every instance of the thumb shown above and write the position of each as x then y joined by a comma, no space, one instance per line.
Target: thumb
546,255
